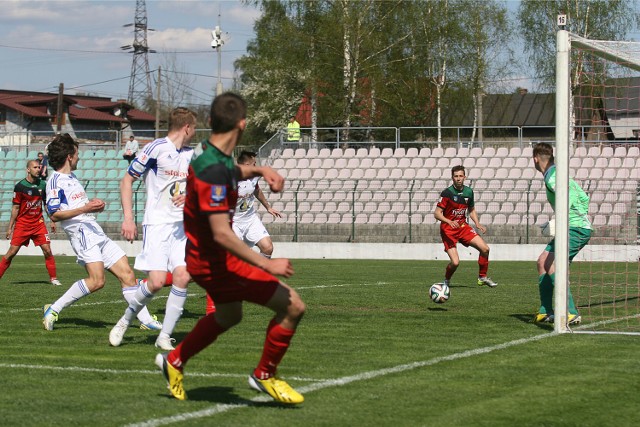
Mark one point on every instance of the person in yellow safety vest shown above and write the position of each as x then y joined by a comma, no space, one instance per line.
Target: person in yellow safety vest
293,130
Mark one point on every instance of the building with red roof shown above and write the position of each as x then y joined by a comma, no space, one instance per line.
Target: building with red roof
31,117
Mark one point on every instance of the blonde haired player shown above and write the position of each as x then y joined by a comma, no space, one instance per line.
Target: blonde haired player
163,164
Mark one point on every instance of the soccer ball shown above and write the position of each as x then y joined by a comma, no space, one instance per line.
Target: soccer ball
439,293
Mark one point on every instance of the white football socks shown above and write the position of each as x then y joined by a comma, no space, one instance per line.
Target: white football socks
174,308
74,293
136,300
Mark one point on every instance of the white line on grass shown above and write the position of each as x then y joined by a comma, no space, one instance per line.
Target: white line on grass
120,301
340,285
83,304
134,371
217,409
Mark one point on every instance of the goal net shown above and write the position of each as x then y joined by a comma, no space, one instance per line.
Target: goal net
598,140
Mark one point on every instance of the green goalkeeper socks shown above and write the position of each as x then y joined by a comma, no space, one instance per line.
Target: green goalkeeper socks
545,286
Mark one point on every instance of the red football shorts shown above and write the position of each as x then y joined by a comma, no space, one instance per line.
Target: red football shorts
239,281
22,236
451,236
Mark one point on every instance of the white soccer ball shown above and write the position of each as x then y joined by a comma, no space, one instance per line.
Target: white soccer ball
549,228
439,293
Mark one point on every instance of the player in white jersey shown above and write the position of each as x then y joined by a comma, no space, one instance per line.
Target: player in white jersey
67,203
163,164
246,222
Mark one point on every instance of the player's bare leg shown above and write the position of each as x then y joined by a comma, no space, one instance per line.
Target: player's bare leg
266,246
96,279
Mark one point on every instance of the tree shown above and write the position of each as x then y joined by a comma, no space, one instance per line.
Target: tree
488,56
596,19
372,63
273,72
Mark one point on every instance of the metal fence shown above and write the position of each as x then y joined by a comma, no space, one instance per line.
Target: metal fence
396,211
402,210
432,136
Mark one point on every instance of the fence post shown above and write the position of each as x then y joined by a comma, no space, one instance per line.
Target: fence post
528,209
295,225
353,212
413,183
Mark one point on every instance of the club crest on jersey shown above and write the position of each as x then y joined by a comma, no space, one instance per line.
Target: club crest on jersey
218,194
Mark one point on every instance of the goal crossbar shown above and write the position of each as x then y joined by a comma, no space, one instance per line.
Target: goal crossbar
609,50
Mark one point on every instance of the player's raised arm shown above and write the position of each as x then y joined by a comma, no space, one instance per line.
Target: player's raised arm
273,178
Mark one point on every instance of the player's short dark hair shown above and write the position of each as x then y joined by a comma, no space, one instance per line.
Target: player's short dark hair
32,161
59,148
180,117
227,110
543,149
246,155
457,168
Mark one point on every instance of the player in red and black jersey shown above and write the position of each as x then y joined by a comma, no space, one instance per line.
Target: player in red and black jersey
27,223
455,203
224,266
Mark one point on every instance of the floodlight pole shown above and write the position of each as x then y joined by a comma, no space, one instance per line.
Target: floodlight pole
219,85
217,41
157,130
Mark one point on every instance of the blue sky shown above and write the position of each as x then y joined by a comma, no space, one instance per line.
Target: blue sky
77,42
45,43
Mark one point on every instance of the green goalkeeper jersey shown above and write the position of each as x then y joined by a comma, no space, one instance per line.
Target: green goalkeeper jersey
578,200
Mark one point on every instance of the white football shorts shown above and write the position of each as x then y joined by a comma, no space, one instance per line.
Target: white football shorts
92,245
250,231
163,247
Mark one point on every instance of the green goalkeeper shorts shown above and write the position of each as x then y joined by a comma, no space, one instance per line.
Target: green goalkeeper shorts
578,239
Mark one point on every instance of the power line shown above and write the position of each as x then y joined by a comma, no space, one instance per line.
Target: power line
99,83
180,52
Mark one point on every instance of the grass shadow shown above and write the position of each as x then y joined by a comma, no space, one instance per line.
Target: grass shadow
31,282
225,395
83,322
528,318
186,314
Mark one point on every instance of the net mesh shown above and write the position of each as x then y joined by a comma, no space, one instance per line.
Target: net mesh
604,278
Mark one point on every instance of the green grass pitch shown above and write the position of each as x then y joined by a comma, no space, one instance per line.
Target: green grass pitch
372,349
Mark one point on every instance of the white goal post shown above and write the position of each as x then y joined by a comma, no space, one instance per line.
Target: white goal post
598,92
